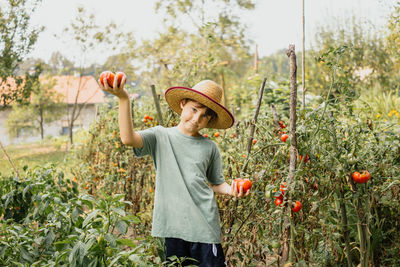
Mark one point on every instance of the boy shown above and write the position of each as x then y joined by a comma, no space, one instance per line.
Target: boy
188,170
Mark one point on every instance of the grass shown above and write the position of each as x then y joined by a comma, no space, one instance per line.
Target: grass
33,154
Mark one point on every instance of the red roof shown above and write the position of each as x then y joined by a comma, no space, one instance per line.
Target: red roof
69,86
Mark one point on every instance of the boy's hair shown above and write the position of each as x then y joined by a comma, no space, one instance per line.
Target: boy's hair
209,111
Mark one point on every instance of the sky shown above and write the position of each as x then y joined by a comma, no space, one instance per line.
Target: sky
273,25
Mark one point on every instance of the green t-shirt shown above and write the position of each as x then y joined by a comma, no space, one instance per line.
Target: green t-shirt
184,203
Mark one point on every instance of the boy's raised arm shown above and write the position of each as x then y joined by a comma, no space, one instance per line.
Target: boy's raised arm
127,133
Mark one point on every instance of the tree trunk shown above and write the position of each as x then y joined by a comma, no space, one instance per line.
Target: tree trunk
70,127
41,119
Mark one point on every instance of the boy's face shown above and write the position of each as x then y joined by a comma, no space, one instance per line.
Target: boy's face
193,117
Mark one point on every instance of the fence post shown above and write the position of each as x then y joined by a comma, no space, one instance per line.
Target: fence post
157,103
288,233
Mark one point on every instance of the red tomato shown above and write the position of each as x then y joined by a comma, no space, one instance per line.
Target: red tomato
365,175
357,177
216,134
205,135
282,124
246,183
284,137
283,188
297,207
280,196
104,75
305,158
120,75
109,76
254,141
278,201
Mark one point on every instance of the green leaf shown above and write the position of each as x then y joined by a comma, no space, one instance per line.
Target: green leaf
122,227
49,238
89,218
26,190
127,242
119,211
25,255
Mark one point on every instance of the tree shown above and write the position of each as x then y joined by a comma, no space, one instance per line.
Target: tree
214,49
17,40
363,62
89,38
58,64
43,108
393,43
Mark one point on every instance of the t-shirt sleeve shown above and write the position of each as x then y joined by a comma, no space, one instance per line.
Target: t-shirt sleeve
214,171
149,142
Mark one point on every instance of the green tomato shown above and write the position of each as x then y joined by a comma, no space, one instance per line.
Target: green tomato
100,239
109,252
267,193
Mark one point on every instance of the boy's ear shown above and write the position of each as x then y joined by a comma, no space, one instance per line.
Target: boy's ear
183,103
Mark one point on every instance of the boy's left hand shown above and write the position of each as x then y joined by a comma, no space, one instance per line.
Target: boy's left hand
238,193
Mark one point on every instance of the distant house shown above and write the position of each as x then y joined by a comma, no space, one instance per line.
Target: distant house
84,90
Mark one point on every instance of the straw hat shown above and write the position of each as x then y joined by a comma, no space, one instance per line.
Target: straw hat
207,93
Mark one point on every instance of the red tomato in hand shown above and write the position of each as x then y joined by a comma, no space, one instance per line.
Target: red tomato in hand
120,75
103,75
284,137
297,207
246,183
109,76
110,79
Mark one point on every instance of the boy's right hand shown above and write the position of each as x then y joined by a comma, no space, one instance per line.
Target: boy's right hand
116,90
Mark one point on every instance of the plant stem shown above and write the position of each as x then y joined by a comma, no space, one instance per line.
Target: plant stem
10,160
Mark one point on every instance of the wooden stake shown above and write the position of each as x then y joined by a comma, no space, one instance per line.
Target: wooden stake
157,104
253,123
303,61
288,235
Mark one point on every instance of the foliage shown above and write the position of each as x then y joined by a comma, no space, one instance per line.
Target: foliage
346,128
47,223
44,107
17,40
217,49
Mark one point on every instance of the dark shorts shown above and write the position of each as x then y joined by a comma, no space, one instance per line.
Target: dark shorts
205,255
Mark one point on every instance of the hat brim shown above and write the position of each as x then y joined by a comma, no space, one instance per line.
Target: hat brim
175,95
